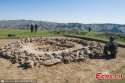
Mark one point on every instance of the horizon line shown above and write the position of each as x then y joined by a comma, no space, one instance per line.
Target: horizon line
59,22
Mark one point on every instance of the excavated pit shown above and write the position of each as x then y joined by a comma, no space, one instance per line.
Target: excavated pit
36,51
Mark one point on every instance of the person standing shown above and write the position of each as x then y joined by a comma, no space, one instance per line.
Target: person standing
31,28
89,29
36,27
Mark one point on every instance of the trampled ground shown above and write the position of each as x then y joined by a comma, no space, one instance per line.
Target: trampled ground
80,72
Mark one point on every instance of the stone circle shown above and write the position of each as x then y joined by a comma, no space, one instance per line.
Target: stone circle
48,51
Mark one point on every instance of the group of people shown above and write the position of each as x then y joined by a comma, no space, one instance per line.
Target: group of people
33,27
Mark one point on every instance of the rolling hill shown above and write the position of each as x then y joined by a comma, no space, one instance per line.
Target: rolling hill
24,24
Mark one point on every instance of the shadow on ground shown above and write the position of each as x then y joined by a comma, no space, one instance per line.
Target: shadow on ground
108,57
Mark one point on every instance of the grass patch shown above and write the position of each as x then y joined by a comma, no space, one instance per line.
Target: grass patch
120,38
25,33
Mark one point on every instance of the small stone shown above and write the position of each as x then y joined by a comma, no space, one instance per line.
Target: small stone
87,51
29,64
37,58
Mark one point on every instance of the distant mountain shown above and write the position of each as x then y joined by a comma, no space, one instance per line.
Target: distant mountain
24,24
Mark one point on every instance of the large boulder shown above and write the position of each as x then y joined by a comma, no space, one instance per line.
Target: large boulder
50,62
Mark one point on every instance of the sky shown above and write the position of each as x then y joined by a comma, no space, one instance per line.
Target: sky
64,11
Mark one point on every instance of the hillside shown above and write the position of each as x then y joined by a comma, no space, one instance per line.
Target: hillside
24,24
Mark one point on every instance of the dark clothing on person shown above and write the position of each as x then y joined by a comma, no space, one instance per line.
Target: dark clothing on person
89,29
111,46
36,27
31,28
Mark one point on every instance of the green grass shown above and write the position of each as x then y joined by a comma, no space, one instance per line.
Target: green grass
100,36
25,33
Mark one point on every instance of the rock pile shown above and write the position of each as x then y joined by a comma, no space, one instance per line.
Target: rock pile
15,53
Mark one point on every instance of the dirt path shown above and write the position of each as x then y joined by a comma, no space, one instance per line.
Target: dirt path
82,72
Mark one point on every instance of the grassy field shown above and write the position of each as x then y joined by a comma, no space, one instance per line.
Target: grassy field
25,33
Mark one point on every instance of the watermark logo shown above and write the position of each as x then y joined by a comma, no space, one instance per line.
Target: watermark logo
107,75
18,81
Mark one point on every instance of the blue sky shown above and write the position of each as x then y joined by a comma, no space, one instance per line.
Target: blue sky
81,11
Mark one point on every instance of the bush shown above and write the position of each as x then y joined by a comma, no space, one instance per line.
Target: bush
11,35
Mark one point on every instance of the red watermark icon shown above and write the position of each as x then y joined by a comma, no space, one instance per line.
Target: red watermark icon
108,76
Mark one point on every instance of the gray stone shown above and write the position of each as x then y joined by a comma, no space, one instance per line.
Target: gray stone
51,62
87,51
37,58
29,64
